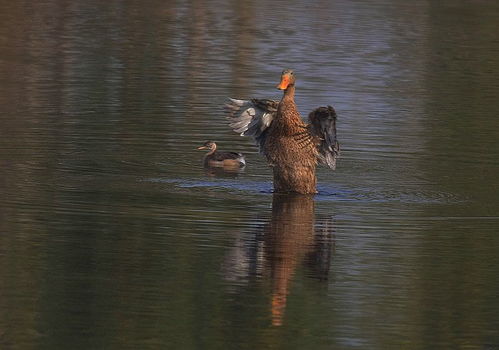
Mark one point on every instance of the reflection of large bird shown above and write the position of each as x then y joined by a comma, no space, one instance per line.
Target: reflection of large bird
291,147
290,238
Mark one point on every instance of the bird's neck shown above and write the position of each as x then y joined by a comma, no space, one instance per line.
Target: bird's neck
289,93
212,150
287,109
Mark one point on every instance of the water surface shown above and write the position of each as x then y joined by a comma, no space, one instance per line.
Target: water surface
112,235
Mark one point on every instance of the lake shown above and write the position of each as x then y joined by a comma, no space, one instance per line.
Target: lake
114,236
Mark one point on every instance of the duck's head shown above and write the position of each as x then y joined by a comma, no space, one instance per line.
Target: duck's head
209,145
287,79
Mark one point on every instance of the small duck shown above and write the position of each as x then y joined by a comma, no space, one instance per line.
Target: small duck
221,159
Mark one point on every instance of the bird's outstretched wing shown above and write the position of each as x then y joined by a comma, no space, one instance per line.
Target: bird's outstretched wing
323,126
251,117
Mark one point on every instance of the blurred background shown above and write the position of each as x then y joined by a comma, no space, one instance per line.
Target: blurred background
113,236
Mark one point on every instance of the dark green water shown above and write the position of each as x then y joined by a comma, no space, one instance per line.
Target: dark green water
112,236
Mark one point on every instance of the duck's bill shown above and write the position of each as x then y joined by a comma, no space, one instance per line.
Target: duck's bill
283,85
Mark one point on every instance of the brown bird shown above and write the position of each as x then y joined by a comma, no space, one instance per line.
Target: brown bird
215,158
292,147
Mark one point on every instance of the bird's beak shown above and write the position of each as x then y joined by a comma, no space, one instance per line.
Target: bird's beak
202,147
283,85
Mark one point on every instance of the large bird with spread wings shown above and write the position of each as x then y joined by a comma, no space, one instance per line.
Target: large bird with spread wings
292,148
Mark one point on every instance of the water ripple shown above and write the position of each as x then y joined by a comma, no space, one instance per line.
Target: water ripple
325,193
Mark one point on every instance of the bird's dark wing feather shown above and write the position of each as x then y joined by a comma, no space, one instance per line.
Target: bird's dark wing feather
323,126
251,117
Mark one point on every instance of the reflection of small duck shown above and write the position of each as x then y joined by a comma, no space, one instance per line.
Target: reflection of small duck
221,159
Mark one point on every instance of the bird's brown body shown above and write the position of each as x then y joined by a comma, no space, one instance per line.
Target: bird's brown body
292,147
